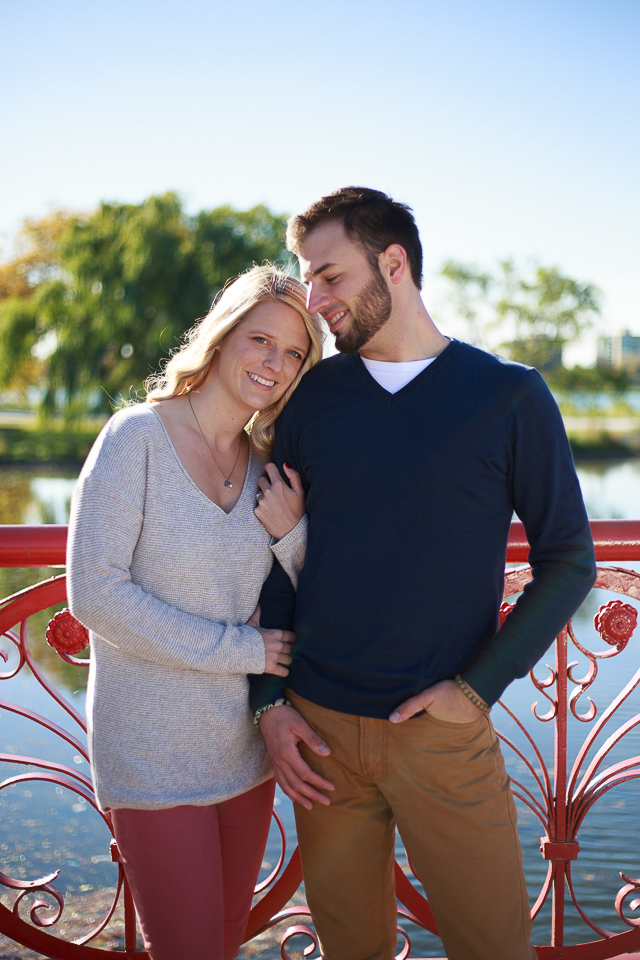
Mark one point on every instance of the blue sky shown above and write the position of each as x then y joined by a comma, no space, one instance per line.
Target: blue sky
511,128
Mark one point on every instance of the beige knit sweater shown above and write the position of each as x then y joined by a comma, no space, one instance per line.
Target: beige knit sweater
164,579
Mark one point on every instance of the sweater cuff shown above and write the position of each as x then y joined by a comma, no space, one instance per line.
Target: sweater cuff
251,652
291,549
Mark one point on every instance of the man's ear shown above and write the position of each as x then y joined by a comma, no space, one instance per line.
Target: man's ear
393,263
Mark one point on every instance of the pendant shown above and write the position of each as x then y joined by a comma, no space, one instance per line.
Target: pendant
228,483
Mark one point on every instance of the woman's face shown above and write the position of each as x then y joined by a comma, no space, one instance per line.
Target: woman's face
261,356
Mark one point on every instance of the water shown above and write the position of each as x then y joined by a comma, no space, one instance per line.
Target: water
588,401
45,827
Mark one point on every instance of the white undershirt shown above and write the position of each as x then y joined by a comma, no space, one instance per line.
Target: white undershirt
394,376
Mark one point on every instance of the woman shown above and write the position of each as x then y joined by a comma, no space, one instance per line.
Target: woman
166,560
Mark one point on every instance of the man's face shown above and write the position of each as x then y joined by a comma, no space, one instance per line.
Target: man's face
343,287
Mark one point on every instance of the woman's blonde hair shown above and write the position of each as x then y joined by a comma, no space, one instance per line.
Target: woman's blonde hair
188,367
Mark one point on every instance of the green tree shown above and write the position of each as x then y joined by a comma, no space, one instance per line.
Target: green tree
35,261
123,286
543,311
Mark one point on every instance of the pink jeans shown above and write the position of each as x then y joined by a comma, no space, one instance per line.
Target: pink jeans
192,872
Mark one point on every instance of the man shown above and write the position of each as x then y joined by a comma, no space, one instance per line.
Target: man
414,451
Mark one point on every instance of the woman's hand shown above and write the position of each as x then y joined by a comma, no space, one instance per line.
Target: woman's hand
280,506
277,646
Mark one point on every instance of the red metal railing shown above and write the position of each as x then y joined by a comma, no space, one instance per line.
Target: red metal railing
560,795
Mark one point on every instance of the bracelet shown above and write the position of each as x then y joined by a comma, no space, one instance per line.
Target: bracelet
472,695
260,712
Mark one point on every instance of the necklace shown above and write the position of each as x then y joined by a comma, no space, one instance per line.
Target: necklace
227,480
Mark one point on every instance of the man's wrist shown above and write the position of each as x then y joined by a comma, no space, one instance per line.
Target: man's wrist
260,712
471,695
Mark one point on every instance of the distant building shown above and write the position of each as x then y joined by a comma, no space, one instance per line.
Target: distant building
620,351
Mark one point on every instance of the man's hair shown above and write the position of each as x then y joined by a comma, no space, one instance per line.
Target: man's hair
370,218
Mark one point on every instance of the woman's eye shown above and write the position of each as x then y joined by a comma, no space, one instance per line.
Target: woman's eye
260,339
296,355
331,279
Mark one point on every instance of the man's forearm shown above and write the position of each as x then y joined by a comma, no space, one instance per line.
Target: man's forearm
265,688
277,606
547,604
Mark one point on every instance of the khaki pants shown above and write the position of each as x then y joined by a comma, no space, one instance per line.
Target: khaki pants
445,786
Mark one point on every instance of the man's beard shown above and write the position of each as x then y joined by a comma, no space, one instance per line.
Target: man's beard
370,311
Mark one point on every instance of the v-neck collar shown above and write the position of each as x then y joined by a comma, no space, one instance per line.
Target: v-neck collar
235,509
391,399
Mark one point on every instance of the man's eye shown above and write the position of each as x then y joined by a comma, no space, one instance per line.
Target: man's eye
331,279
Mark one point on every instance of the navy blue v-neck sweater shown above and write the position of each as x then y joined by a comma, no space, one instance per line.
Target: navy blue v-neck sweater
410,497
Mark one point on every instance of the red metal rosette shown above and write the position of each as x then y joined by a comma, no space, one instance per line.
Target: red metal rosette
615,622
66,634
505,610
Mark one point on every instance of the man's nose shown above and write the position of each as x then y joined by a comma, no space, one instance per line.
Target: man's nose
316,299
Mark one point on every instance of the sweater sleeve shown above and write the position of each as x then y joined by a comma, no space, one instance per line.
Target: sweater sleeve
546,496
104,528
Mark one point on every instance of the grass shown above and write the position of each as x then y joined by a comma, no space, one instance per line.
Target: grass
55,442
600,446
